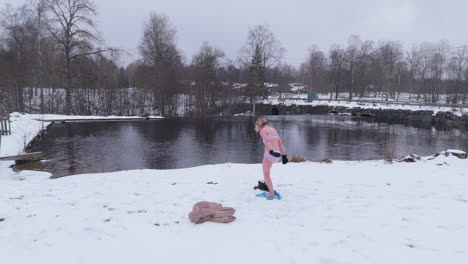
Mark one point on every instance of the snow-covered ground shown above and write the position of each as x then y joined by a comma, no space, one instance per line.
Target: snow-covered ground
343,212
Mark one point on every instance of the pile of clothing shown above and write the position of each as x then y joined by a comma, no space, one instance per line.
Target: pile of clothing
212,212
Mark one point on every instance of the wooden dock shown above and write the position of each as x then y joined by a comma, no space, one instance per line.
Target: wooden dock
35,156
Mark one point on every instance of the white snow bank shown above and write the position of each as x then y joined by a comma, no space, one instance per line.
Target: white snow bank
24,128
456,151
344,212
446,153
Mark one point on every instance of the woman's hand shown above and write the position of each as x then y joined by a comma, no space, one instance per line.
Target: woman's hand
285,159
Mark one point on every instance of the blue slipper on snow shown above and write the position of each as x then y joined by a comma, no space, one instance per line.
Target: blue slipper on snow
278,195
263,194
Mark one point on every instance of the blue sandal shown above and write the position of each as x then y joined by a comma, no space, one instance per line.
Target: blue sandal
263,194
278,195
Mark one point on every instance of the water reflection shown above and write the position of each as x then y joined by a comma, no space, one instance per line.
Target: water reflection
168,144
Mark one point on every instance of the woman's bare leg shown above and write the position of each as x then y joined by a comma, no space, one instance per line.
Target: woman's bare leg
266,174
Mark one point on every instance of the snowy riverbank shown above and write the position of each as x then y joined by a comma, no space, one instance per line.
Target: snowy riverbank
369,105
26,126
343,212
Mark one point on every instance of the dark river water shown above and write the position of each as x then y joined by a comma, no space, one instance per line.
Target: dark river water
86,147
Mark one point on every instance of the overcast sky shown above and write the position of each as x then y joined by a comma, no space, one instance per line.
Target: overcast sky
297,23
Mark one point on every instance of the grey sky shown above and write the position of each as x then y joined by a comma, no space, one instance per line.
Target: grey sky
297,23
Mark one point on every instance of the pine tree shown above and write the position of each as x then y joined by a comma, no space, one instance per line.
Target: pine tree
256,80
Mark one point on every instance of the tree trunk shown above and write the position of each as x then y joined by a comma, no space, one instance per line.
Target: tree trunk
68,85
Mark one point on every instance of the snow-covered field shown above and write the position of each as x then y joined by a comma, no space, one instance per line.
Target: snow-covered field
343,212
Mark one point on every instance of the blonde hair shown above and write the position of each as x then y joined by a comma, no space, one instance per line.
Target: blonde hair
260,123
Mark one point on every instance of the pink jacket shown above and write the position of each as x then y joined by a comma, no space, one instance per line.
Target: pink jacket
213,212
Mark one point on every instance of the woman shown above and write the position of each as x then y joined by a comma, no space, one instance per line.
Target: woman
274,152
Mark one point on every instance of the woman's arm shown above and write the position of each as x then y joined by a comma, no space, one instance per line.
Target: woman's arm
280,142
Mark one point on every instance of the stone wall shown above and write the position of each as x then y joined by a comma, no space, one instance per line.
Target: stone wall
384,115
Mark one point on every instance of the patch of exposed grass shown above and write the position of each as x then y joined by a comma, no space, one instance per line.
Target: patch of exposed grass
390,154
297,159
326,160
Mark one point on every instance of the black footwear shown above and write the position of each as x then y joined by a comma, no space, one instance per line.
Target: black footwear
262,186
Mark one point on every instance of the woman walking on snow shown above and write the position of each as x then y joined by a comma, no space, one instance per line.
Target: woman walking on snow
274,152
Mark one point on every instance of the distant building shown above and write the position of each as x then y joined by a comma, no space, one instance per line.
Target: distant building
271,88
297,88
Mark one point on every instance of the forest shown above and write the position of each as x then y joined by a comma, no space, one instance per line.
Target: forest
53,59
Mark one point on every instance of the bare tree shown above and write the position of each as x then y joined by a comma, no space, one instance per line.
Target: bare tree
337,60
363,67
390,56
39,35
17,25
413,59
465,86
270,48
261,52
425,50
456,68
31,60
71,24
315,69
352,54
437,66
158,49
206,64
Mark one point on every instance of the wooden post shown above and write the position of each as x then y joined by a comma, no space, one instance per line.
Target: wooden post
5,126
